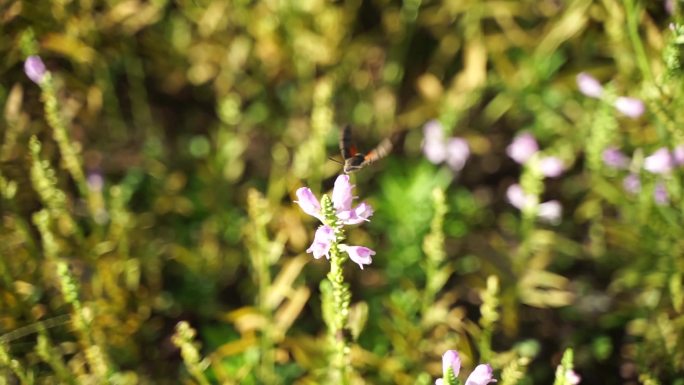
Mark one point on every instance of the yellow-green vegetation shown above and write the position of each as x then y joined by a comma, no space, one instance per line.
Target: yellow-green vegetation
151,153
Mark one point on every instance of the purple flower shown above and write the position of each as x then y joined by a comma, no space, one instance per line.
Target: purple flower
95,181
614,158
359,254
482,375
522,147
632,184
678,155
35,69
660,195
457,152
322,242
660,162
342,202
454,151
551,166
572,377
631,107
433,145
589,86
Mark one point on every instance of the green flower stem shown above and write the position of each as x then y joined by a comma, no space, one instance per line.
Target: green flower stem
340,296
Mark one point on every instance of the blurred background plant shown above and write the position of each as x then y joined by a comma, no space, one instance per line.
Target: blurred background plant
147,175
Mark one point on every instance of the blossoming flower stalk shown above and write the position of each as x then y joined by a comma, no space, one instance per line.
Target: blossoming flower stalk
335,213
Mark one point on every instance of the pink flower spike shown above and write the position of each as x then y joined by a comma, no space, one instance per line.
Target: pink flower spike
678,155
457,152
342,193
572,377
516,196
451,359
359,254
35,69
308,202
482,375
433,145
551,166
322,242
614,158
630,107
589,86
550,212
522,147
660,162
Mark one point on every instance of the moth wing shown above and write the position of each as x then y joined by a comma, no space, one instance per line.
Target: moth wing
347,147
385,147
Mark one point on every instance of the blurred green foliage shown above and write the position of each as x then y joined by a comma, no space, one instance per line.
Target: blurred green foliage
148,234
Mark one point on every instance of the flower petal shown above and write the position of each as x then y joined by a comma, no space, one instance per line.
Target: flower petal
614,158
35,69
342,193
359,254
516,196
551,166
632,184
631,107
359,214
433,145
451,359
660,162
550,212
457,152
678,155
572,377
660,195
308,202
439,381
522,147
482,375
322,242
589,86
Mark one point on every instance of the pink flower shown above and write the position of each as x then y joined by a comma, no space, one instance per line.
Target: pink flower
589,86
455,151
35,69
678,155
342,193
630,107
572,377
482,375
308,202
359,254
632,184
522,148
516,196
322,242
451,360
550,212
614,158
551,166
433,145
660,162
660,195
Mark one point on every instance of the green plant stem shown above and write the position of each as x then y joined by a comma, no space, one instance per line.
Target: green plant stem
631,10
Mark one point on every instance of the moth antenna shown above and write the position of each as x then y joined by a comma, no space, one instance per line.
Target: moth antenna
335,160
